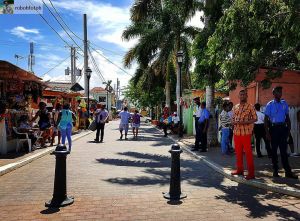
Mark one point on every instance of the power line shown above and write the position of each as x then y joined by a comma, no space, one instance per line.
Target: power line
64,21
111,62
55,66
50,25
61,25
96,66
113,52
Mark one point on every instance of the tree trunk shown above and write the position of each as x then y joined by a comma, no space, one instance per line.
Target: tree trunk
212,139
168,93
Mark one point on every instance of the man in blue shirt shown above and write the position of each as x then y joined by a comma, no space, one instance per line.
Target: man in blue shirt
278,126
124,123
196,115
203,126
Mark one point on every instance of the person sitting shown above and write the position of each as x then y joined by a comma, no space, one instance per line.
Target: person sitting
44,122
175,123
24,127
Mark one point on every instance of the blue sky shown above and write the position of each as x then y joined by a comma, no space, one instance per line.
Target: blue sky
106,21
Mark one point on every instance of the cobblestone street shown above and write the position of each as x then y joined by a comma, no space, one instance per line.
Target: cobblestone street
124,180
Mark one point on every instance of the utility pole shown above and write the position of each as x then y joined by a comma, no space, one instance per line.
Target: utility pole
31,59
72,65
117,91
85,42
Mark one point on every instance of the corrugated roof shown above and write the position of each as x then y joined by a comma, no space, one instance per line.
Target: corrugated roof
97,89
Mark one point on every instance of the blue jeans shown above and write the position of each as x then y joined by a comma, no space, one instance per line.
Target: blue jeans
66,133
225,140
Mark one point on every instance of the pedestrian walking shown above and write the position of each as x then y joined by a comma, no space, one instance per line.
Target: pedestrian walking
56,131
124,124
260,132
225,125
101,117
196,115
243,119
278,126
136,122
65,124
203,123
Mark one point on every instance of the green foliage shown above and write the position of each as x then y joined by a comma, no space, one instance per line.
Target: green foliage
142,96
161,29
256,33
206,70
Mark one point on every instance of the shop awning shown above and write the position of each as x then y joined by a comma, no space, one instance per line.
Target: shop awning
9,71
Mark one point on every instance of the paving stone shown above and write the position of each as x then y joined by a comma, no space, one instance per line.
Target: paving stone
124,180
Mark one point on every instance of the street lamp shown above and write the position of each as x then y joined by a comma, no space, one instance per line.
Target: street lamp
106,94
88,73
179,61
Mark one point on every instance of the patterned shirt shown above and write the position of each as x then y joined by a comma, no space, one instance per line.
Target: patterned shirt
225,120
243,112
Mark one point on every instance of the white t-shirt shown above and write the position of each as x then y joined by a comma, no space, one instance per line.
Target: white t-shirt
125,116
176,119
260,117
198,111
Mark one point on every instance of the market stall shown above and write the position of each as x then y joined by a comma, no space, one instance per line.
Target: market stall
52,97
22,91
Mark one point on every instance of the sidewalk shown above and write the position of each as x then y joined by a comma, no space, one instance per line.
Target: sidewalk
263,168
12,161
123,180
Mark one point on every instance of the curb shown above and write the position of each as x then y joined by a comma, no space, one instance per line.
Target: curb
239,179
13,166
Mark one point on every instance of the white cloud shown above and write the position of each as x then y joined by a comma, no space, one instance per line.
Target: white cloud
26,33
195,21
116,38
104,20
108,70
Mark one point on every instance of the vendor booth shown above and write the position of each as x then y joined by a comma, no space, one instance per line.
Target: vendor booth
22,91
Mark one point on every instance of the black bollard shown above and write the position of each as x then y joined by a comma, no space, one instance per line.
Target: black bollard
60,197
175,186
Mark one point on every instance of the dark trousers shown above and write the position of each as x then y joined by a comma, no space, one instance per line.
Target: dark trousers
165,128
279,135
100,127
203,136
197,137
230,139
260,133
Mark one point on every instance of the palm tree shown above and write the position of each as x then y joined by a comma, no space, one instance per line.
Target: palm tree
162,32
206,68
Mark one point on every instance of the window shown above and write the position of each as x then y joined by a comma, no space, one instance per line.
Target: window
102,99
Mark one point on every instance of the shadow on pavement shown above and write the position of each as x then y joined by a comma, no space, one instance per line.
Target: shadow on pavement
50,211
157,172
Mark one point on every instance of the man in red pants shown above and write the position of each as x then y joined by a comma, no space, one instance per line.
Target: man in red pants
243,119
